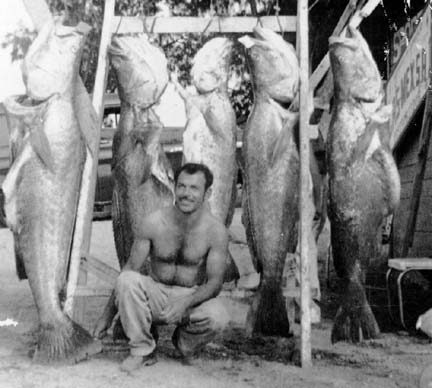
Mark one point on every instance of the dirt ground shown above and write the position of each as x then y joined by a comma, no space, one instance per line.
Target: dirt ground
232,360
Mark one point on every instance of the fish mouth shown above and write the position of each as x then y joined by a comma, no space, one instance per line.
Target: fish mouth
27,100
284,104
22,103
343,41
141,69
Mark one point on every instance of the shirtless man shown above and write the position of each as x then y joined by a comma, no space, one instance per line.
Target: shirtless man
188,248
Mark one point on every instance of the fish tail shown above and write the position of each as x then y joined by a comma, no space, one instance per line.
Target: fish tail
354,319
64,341
271,314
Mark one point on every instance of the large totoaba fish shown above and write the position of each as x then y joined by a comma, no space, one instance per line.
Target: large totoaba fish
143,180
210,133
364,184
42,186
271,172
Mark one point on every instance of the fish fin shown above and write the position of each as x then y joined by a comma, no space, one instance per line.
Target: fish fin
231,270
271,315
41,147
215,124
64,341
162,172
19,261
280,147
2,208
86,136
249,229
374,145
121,228
354,319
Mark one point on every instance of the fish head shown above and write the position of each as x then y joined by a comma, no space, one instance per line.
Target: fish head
274,64
355,72
141,69
210,66
52,61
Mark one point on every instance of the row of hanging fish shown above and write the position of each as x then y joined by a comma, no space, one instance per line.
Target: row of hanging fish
40,192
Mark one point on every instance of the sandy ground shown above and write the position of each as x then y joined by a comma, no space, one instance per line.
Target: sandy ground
233,360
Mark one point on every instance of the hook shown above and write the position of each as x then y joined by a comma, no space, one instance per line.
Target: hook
144,23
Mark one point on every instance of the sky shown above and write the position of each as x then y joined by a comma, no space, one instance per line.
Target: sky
13,14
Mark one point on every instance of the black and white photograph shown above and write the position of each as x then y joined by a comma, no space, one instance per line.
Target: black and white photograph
215,193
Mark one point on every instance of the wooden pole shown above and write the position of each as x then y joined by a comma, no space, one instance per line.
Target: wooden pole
305,221
81,241
425,136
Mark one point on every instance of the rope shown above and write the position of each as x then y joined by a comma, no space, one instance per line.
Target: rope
207,26
259,21
144,23
118,25
153,25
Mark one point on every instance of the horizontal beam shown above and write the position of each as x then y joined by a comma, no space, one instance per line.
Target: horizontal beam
92,292
182,24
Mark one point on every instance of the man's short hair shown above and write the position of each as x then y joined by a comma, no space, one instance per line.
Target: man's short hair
193,168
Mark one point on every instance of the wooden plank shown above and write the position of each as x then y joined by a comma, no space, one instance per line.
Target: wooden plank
100,269
422,243
425,136
407,189
424,219
182,24
407,174
91,292
81,241
305,187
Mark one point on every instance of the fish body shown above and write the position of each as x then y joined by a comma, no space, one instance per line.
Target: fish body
210,133
364,185
142,175
271,172
42,186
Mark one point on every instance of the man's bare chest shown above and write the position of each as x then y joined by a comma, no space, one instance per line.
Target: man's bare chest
180,247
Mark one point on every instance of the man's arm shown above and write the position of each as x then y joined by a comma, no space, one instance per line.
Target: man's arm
215,270
138,255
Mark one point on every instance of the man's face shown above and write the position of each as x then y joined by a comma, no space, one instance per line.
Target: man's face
190,191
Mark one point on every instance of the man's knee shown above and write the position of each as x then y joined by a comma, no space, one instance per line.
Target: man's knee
128,281
216,314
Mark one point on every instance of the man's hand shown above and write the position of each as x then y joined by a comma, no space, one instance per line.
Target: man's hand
176,310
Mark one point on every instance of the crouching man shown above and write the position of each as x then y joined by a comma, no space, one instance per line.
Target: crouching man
187,248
